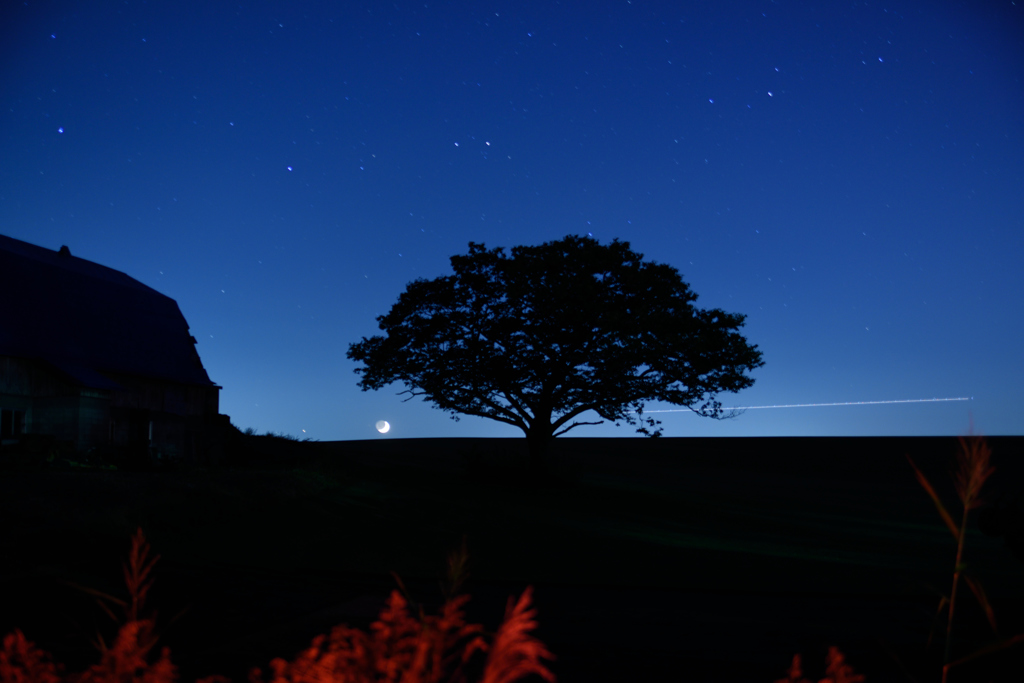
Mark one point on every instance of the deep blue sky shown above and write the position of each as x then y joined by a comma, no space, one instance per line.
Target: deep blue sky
850,175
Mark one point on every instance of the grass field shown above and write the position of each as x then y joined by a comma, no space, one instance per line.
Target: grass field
716,563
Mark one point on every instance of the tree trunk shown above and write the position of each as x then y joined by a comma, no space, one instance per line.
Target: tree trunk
537,441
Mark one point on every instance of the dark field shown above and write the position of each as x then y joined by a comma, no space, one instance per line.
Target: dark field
673,559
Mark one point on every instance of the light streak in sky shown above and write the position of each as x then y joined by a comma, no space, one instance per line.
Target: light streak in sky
820,405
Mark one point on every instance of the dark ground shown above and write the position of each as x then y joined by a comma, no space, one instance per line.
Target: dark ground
681,559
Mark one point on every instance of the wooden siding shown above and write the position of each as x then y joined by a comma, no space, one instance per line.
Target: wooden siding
184,418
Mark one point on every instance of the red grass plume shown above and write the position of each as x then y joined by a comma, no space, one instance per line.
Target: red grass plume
973,470
431,649
516,653
22,662
125,661
836,670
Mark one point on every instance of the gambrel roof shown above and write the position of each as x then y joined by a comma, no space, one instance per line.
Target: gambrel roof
88,320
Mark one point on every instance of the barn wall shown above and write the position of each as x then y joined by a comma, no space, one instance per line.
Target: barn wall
54,415
206,400
14,402
169,435
49,402
93,419
185,418
185,421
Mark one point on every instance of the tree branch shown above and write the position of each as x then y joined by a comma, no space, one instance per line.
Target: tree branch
520,418
570,415
515,402
515,421
576,424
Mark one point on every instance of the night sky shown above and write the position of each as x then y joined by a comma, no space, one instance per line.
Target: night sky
849,175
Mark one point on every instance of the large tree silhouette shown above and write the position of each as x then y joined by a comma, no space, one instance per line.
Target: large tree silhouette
539,338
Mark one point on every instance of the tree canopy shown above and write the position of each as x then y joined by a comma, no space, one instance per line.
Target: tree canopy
540,337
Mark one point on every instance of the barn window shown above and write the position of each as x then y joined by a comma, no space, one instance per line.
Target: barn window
12,423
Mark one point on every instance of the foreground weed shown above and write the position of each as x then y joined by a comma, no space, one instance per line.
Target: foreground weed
402,648
399,647
458,570
973,469
836,670
22,662
137,579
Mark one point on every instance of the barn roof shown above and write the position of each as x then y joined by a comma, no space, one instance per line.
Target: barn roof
87,320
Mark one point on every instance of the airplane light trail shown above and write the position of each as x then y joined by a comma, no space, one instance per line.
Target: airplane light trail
820,405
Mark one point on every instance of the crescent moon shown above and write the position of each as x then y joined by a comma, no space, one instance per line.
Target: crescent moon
382,426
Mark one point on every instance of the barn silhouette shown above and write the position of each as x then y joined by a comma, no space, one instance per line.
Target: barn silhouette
97,362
